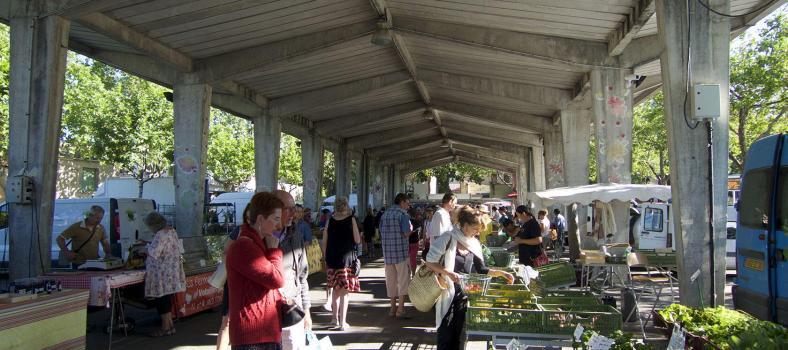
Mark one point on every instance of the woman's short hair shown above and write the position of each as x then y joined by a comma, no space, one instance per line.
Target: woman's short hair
155,221
263,203
468,216
341,204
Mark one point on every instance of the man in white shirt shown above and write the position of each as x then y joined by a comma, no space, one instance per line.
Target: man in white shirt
544,226
441,221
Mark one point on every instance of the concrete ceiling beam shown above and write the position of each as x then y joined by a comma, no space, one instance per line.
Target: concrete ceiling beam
487,164
76,8
421,165
389,137
482,122
120,32
333,125
506,156
296,103
389,123
618,40
249,60
546,96
561,51
415,155
410,145
496,116
493,143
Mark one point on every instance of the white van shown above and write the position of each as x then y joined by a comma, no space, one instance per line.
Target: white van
123,223
654,230
228,208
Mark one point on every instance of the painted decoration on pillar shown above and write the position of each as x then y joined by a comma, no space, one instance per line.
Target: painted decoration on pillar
377,187
555,170
187,163
616,106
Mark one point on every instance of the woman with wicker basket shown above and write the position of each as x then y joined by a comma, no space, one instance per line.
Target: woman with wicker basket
450,255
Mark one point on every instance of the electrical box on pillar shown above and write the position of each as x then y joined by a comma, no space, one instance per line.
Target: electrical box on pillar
706,102
20,189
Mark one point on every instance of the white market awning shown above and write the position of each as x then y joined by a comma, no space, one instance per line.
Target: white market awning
600,192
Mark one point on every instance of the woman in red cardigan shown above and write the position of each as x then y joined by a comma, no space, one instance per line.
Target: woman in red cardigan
254,273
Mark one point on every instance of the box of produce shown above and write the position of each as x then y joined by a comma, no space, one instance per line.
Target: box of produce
568,300
563,319
504,317
509,290
502,258
723,328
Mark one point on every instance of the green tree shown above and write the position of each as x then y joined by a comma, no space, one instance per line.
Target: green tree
758,88
453,171
230,150
290,162
4,66
649,135
329,177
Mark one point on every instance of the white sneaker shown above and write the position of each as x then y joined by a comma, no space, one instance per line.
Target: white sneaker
327,307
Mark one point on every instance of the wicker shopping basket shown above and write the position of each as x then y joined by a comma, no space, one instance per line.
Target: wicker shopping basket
425,288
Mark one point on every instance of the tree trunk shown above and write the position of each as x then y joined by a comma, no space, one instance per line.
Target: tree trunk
141,187
743,114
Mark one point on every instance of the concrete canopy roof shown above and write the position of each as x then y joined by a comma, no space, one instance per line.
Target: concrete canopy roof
490,74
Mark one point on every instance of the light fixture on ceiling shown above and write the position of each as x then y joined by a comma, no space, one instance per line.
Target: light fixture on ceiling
382,35
445,143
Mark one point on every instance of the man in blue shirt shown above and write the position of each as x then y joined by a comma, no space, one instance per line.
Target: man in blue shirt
395,228
302,226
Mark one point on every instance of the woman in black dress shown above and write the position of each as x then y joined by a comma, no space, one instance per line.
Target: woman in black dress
340,237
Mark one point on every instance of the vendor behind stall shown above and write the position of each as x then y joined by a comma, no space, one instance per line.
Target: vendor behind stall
529,240
83,238
164,275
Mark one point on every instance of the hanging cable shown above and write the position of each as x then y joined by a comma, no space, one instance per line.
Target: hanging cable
758,9
688,71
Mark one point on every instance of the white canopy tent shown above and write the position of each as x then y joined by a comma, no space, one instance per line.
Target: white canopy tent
605,193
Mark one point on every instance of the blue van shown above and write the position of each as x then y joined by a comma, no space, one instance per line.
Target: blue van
762,235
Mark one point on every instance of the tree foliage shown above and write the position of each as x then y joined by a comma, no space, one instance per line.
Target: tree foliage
759,88
4,67
329,177
290,162
453,171
649,151
230,150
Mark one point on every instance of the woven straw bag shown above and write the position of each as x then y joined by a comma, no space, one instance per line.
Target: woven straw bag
425,288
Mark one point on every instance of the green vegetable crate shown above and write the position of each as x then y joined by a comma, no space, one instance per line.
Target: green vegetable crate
554,275
499,316
654,258
509,290
502,258
562,319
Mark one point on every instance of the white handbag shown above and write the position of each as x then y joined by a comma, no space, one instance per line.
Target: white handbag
219,276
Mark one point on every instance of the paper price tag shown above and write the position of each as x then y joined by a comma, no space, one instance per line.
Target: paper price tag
579,332
677,339
599,342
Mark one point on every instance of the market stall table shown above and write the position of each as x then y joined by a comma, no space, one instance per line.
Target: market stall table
61,316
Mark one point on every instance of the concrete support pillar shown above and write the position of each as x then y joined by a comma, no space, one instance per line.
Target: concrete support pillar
537,168
576,130
613,129
192,107
377,184
613,124
342,168
267,138
521,175
363,186
390,186
689,155
38,64
398,182
554,158
312,169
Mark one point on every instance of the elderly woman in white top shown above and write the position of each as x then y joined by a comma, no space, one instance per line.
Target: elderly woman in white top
461,253
164,274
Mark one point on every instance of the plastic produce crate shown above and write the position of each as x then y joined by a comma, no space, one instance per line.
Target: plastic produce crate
556,274
562,319
502,258
654,258
504,317
509,290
